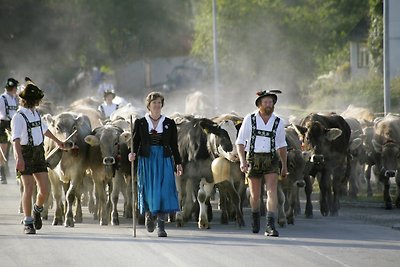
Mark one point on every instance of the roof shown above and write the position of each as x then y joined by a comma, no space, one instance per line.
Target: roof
360,31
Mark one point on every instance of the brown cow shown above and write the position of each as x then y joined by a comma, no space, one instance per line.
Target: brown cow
386,142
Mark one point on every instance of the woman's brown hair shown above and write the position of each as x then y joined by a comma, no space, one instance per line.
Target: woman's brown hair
153,96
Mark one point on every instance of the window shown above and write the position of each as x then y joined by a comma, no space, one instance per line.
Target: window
362,56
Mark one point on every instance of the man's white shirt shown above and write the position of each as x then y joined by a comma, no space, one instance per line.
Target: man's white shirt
108,109
19,127
262,144
12,101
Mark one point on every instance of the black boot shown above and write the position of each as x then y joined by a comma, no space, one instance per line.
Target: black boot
37,217
149,222
29,229
256,222
271,231
3,178
161,226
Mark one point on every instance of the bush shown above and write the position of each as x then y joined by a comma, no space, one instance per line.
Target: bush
333,94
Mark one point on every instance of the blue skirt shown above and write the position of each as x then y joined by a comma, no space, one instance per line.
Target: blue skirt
156,183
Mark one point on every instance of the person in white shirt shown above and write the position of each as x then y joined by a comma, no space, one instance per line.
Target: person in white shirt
28,131
262,137
108,106
8,107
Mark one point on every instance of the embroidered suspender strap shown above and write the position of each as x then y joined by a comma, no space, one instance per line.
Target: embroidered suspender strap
102,111
253,135
274,128
255,132
29,127
8,107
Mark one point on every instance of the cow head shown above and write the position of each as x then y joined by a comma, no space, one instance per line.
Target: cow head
108,139
64,124
389,157
232,130
317,139
218,137
357,150
296,165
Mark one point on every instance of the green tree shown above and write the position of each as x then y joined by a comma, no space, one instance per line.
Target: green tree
375,38
277,43
56,38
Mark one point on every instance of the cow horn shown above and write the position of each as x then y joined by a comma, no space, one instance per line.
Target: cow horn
296,129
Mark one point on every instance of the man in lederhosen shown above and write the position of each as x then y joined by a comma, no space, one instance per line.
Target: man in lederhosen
262,137
8,107
108,107
28,132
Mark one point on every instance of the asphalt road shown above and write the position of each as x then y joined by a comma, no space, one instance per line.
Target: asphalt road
352,239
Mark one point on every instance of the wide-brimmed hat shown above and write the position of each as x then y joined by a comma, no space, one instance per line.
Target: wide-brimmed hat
11,82
272,93
31,91
109,92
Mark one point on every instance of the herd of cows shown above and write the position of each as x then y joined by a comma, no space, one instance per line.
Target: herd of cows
339,151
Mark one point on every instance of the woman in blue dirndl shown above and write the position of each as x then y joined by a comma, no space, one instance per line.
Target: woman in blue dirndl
155,142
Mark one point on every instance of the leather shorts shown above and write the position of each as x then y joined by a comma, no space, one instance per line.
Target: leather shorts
35,161
261,164
5,131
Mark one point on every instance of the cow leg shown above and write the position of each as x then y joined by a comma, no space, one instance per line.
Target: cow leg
386,196
368,178
291,201
56,187
48,204
109,190
223,202
78,193
88,188
281,207
78,212
116,188
236,202
324,184
178,214
386,193
203,198
96,203
128,209
397,203
100,187
334,206
308,190
187,207
70,197
183,196
263,206
352,192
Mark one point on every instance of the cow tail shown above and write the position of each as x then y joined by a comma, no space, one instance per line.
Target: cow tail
348,167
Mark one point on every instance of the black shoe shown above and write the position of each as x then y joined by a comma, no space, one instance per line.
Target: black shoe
255,225
37,220
161,228
149,222
3,178
270,230
162,233
29,229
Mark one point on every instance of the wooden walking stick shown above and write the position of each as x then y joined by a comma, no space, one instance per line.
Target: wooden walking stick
134,184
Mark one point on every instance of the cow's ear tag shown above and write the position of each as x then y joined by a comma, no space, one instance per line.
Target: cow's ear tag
205,130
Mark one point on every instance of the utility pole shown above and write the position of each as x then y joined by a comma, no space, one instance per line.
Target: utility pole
215,49
386,58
